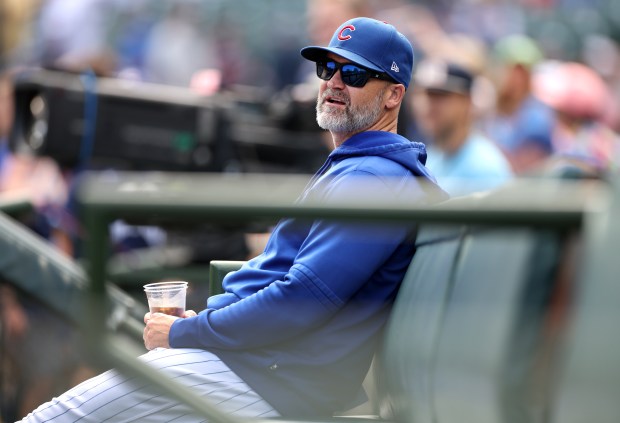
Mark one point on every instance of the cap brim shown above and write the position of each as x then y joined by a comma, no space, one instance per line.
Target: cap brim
316,53
444,89
449,85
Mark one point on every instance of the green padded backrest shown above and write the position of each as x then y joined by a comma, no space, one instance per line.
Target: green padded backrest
588,390
217,270
463,337
404,378
36,267
491,331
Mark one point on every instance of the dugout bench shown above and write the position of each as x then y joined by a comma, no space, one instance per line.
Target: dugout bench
494,322
493,286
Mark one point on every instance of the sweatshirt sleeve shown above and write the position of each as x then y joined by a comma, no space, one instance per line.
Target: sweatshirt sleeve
333,263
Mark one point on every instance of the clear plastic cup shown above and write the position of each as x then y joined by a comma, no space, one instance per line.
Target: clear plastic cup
166,297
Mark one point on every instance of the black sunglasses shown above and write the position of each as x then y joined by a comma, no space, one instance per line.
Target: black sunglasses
351,74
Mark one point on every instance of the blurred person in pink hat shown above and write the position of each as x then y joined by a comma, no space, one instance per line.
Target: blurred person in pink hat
580,98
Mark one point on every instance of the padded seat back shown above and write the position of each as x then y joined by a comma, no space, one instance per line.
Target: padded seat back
464,333
491,332
404,379
589,386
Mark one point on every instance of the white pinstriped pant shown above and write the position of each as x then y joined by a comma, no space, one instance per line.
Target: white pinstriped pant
113,397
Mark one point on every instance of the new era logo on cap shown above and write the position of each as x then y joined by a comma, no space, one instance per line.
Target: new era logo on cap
372,44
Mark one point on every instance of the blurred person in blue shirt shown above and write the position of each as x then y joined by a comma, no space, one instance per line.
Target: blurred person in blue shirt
521,124
462,159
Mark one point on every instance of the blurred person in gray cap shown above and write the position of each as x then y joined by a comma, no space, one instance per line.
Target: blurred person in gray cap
521,125
462,159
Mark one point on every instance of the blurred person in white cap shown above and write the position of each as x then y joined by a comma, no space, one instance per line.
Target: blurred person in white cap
460,157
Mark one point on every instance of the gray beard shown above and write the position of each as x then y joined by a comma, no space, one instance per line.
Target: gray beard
351,119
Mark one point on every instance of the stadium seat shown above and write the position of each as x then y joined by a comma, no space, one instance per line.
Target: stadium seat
588,386
404,379
491,330
466,331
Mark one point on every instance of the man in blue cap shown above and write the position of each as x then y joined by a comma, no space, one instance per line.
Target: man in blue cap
375,63
296,328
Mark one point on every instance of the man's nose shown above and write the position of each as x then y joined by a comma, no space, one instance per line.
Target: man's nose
336,81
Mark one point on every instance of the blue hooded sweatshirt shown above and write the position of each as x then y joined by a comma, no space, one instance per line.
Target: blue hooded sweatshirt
300,323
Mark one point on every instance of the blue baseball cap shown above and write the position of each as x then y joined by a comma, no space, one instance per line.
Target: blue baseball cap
372,44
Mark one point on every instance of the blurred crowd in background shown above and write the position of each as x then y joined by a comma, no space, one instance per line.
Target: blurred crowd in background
544,75
502,88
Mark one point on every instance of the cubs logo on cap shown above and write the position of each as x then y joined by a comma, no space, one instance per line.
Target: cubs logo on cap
342,36
372,44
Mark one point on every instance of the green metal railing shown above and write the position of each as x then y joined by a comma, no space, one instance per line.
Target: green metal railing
160,198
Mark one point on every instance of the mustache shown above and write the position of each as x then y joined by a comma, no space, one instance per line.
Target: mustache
336,95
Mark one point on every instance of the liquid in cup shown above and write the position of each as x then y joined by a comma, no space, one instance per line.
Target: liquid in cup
166,297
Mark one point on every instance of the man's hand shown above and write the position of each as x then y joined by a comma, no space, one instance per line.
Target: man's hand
158,327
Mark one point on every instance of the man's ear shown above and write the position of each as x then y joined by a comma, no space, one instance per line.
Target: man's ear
395,94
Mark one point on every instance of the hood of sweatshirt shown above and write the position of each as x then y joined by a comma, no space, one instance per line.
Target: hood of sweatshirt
409,154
